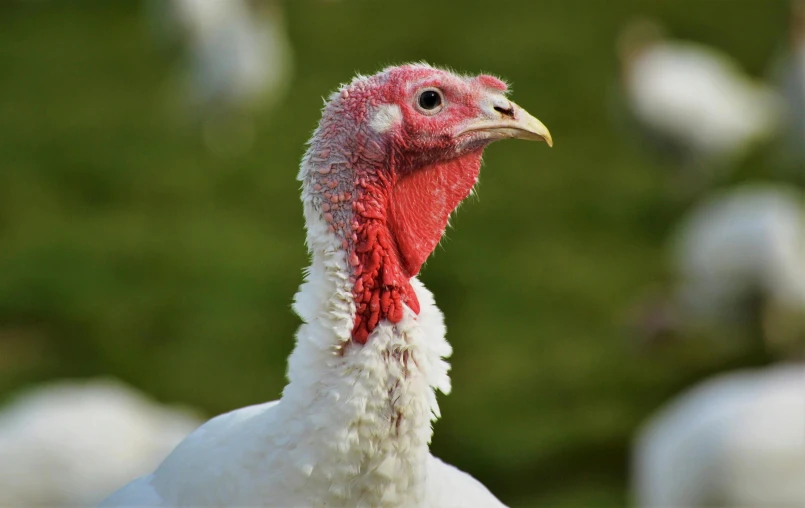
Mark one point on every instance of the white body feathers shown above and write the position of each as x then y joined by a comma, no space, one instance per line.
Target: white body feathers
700,100
747,239
71,443
735,440
328,442
239,55
353,426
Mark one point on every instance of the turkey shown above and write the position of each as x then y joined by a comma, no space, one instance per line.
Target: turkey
738,260
740,247
393,156
735,440
72,442
692,104
237,62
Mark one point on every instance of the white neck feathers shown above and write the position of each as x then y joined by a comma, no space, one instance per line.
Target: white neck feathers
360,415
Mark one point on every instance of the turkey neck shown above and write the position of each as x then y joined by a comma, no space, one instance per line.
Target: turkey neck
359,411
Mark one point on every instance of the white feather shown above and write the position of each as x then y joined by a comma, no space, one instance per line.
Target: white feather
238,56
353,426
385,117
699,100
329,441
70,443
735,440
747,239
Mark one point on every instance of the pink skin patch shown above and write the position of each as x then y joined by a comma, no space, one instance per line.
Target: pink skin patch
388,195
492,82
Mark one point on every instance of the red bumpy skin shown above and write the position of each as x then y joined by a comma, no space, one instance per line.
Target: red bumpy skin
387,174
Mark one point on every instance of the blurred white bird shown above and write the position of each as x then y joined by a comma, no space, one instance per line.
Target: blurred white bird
741,243
238,61
735,440
71,443
692,103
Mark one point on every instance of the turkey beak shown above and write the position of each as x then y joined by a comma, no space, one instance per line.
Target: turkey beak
504,119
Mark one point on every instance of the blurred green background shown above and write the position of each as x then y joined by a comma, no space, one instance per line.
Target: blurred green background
127,248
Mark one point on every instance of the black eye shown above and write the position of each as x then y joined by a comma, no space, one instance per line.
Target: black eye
430,99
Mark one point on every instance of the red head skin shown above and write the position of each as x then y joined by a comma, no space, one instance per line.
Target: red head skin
387,174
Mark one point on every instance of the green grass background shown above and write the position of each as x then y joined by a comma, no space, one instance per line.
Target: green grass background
126,248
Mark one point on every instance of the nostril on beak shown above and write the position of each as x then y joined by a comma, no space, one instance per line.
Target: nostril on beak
505,111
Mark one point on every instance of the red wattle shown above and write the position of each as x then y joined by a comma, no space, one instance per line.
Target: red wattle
422,202
381,288
395,232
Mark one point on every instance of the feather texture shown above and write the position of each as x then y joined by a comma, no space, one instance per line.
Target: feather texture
735,440
70,443
353,426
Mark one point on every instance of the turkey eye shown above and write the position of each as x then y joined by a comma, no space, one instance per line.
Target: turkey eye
430,100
